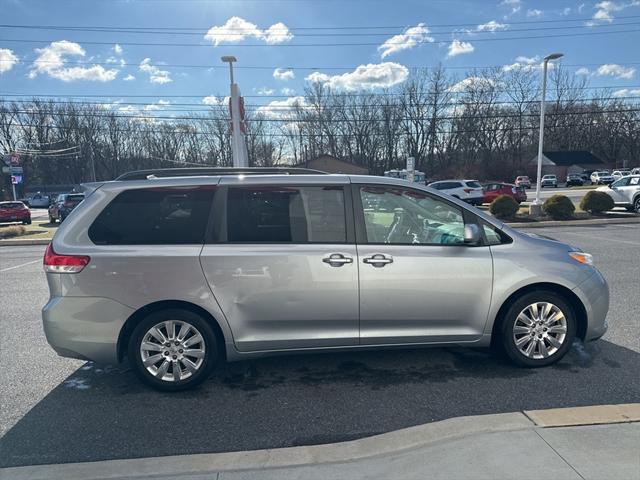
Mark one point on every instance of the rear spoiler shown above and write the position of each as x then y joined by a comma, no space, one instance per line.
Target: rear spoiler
89,188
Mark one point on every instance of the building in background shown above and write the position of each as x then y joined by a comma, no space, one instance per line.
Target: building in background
570,161
331,164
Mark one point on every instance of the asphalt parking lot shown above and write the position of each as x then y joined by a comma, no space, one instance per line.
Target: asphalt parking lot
59,410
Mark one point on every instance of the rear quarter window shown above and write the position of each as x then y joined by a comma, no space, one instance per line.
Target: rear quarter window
154,216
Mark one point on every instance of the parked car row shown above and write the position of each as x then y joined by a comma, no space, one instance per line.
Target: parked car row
469,191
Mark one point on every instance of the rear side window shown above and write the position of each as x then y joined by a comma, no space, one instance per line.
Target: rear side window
282,214
154,216
474,184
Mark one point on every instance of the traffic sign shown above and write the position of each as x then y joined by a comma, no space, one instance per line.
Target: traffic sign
15,180
16,170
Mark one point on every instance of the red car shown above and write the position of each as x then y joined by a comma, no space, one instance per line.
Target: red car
494,190
14,212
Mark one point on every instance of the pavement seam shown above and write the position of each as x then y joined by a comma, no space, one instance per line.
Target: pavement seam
558,454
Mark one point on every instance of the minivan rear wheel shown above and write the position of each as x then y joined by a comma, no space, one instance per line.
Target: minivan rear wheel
173,350
538,329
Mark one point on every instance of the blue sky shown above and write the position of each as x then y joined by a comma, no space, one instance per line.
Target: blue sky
451,32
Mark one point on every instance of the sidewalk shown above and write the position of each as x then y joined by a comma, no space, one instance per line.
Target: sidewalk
597,442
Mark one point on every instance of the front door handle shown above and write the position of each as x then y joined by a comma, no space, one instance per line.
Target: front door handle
378,260
337,260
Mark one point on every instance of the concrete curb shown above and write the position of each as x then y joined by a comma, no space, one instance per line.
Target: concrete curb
574,223
173,466
376,446
21,243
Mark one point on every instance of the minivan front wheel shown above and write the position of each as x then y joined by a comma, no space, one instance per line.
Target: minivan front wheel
538,329
173,350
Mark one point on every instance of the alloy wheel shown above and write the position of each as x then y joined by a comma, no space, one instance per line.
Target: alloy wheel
540,330
172,350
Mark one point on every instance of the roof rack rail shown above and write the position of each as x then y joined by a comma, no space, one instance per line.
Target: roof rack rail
213,171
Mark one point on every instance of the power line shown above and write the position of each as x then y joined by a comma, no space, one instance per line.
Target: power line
285,67
361,44
379,94
341,27
317,135
334,120
242,33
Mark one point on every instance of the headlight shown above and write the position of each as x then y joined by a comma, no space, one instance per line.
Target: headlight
581,257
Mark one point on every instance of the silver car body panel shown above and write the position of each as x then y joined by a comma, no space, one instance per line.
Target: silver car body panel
272,298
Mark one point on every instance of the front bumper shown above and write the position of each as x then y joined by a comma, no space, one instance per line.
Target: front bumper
594,294
85,327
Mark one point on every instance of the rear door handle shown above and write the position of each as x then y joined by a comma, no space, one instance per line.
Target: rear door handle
337,260
378,260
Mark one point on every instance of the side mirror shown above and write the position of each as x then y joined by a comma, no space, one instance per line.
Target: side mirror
471,234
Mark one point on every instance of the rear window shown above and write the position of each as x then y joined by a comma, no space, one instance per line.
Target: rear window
12,205
286,215
473,184
74,198
154,216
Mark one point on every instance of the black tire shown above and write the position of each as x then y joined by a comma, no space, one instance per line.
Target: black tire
507,341
209,360
52,220
27,222
636,204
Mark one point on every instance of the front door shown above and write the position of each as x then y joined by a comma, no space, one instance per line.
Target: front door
284,268
419,282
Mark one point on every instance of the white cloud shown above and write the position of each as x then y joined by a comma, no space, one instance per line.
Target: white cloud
583,71
364,77
625,92
514,5
117,49
523,63
472,83
283,74
459,48
237,29
159,105
212,100
566,11
266,91
281,108
613,70
52,61
129,78
287,91
604,10
410,38
491,26
534,13
156,75
7,60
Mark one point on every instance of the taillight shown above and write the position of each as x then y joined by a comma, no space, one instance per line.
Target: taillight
57,263
468,190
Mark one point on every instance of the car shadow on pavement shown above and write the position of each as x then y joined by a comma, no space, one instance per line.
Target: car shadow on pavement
103,412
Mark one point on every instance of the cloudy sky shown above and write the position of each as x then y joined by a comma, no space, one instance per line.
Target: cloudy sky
119,50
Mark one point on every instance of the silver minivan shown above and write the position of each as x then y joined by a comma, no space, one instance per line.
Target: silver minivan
179,274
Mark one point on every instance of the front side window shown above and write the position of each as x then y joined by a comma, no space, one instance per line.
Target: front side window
154,216
405,216
623,182
283,214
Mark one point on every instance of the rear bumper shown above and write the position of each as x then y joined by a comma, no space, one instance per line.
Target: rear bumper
85,327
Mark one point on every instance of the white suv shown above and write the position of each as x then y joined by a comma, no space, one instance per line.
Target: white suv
469,191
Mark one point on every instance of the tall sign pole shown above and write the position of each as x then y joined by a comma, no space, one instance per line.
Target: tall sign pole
238,145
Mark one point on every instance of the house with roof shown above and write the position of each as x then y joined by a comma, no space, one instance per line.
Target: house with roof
331,164
569,161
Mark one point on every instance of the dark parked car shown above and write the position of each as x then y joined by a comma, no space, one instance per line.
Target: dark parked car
63,205
494,190
14,212
574,179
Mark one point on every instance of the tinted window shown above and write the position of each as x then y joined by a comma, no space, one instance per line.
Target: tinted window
286,215
474,184
154,216
74,198
404,216
12,205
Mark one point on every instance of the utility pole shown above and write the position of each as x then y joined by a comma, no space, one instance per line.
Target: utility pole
238,145
535,209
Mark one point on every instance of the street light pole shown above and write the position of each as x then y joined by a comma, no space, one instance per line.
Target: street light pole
536,207
238,146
